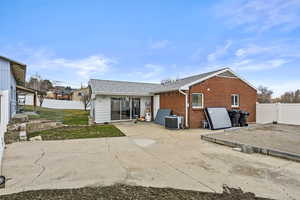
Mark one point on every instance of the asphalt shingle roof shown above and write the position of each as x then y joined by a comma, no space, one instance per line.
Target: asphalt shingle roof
122,87
139,88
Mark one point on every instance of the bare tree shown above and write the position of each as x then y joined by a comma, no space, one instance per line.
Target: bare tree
42,86
290,97
85,97
264,95
41,95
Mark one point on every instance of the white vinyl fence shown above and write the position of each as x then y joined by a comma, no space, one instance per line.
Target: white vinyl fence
285,113
57,104
4,119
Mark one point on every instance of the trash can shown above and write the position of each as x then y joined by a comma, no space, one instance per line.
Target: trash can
234,117
243,118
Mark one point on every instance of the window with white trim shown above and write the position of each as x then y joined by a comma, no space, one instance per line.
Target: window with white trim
197,100
235,100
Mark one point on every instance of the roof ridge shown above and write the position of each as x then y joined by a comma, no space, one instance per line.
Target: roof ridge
221,69
125,81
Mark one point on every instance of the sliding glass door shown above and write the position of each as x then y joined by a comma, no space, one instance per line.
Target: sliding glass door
123,108
115,108
136,108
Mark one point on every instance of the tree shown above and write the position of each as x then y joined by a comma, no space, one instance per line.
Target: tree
264,95
41,86
41,95
290,97
85,97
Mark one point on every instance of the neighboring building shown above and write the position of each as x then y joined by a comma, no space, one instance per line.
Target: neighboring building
77,94
187,97
12,79
12,74
60,93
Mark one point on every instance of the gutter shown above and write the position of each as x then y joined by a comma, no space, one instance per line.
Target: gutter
186,107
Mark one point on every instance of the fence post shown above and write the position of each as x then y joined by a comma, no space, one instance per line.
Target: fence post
278,112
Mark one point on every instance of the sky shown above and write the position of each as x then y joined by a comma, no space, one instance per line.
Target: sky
71,41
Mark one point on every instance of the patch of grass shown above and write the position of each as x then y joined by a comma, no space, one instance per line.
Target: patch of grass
69,117
78,132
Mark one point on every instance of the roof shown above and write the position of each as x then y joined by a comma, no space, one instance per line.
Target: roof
138,88
11,60
122,87
18,70
185,81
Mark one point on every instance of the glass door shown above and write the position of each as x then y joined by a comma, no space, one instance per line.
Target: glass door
115,108
125,108
136,108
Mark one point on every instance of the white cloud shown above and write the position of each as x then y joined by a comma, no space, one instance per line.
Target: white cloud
258,65
148,73
261,15
85,67
154,70
219,52
253,50
159,44
46,63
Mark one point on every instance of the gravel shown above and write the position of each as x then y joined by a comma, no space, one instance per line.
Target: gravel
124,192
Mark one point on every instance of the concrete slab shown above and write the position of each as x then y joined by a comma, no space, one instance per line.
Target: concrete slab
276,140
150,156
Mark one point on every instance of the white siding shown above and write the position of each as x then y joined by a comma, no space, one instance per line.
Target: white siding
4,118
282,113
145,103
156,105
102,109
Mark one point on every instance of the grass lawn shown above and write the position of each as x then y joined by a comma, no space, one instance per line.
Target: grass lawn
78,132
68,117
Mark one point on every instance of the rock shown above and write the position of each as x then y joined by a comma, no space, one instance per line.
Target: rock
36,138
23,136
237,149
20,118
2,181
247,149
22,127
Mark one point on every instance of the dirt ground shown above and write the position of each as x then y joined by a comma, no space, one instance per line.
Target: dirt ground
280,137
131,192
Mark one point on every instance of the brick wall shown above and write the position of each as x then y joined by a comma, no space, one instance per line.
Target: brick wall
217,92
174,101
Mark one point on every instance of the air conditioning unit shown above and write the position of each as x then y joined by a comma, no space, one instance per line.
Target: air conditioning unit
173,122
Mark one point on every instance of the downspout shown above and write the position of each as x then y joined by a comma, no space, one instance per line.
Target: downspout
186,107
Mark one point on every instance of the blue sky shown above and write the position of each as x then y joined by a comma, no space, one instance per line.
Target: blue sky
74,40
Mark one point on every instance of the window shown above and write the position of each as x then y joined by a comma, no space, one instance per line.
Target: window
235,100
197,100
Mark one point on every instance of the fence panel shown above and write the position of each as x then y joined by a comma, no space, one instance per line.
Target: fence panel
289,114
56,104
281,112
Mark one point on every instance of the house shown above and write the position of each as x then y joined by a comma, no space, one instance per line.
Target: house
12,82
12,76
77,94
60,93
187,97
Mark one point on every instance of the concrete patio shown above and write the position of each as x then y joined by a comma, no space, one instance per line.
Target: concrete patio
150,156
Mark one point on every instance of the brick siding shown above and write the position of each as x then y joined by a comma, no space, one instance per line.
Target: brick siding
217,93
